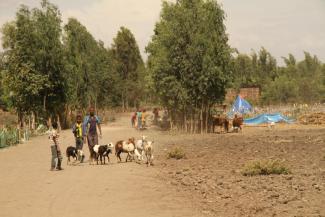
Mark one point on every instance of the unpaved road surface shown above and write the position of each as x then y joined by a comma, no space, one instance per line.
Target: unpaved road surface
29,189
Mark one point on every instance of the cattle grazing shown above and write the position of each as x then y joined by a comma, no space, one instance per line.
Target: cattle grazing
222,122
148,150
237,123
125,147
71,152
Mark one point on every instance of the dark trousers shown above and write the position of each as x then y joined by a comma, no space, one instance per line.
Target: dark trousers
92,141
79,143
79,146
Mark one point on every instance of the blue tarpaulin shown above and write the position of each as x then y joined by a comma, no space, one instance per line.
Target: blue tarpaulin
241,106
268,118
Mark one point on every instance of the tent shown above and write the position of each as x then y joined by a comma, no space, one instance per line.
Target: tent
268,118
241,106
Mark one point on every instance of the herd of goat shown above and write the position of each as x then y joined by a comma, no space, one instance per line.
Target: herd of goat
141,149
136,150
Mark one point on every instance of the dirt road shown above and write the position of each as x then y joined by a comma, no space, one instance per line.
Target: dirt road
29,189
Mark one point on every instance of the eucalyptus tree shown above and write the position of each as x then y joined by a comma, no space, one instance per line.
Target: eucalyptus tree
129,67
33,74
189,60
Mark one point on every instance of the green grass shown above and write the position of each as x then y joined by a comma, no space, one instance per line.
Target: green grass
176,153
265,167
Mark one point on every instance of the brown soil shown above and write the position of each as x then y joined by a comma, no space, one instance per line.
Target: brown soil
208,182
313,119
211,172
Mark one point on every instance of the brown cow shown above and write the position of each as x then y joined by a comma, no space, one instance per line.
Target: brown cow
223,122
237,123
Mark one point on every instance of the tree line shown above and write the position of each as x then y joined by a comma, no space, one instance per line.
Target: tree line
48,67
294,82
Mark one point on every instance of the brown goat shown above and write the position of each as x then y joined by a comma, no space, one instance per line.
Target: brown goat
125,147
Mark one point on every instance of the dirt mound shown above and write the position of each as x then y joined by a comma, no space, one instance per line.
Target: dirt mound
313,119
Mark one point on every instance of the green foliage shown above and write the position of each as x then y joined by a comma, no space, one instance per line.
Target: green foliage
296,82
90,76
129,67
45,71
257,69
176,153
33,78
189,56
266,167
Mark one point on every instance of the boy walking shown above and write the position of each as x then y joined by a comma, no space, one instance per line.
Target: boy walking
55,148
78,134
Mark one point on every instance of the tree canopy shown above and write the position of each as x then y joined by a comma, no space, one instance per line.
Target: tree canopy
189,59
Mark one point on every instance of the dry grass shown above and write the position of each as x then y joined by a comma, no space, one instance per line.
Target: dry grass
176,153
265,167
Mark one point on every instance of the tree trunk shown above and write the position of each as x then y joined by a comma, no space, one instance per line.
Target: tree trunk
33,121
59,122
201,119
206,119
192,123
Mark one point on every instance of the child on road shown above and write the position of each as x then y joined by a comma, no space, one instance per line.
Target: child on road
78,134
55,148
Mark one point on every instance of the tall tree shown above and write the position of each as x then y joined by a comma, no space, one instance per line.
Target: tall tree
80,49
189,60
129,66
34,60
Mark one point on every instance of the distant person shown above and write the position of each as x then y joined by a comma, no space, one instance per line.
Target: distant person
55,148
78,135
139,119
133,119
91,123
144,118
155,115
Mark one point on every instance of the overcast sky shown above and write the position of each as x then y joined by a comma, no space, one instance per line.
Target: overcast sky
281,26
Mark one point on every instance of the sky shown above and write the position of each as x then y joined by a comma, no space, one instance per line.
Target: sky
281,26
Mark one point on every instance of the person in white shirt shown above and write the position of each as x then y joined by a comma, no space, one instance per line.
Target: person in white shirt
55,148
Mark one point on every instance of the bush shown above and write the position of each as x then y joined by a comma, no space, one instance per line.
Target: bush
266,167
176,153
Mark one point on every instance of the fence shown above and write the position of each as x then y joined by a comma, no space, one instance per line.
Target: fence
11,137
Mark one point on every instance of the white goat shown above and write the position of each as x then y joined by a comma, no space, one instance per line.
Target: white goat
139,148
148,150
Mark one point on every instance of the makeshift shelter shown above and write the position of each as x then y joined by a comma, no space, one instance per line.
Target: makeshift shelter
240,106
268,118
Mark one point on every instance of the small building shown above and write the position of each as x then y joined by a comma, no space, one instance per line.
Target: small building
252,94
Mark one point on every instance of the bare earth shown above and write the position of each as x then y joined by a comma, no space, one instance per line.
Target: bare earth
29,189
207,183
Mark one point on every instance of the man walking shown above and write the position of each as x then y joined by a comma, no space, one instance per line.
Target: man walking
91,123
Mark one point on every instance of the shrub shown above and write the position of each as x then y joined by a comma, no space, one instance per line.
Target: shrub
177,153
266,167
